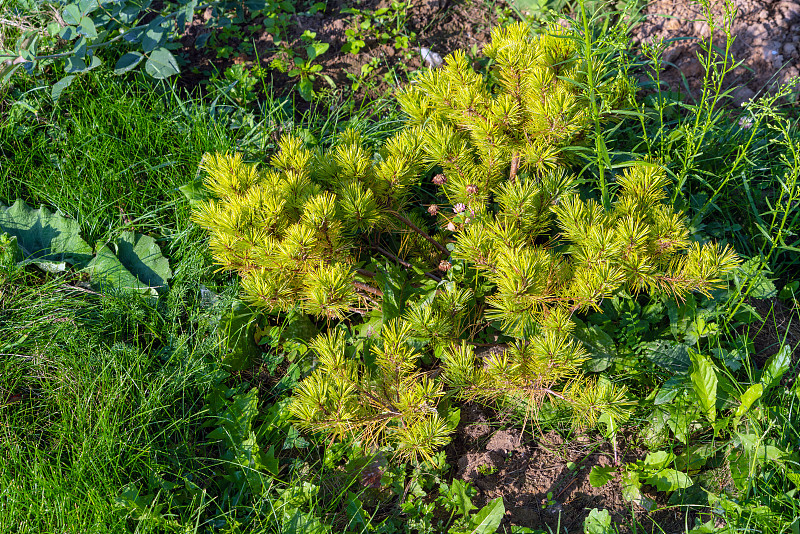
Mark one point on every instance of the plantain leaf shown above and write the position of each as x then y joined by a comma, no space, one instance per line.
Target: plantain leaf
488,518
752,394
48,239
704,380
776,367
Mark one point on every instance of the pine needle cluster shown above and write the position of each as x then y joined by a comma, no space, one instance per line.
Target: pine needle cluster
301,231
388,401
293,231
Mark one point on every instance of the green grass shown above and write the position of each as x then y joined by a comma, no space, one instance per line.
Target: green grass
108,153
101,391
91,399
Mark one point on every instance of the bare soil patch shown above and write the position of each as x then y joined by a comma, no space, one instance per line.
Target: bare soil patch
766,37
441,26
507,463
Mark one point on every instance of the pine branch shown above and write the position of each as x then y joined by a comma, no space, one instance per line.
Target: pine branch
420,232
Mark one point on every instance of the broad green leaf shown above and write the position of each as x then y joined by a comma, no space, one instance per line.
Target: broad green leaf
669,390
127,62
632,488
658,460
673,357
87,6
45,237
357,521
141,255
236,422
598,344
87,28
752,394
776,367
94,63
297,326
488,518
315,50
132,262
161,64
71,15
194,191
306,89
185,15
59,86
704,380
597,522
154,35
669,480
74,65
600,476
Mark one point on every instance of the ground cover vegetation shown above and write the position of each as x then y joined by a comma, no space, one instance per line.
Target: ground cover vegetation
230,310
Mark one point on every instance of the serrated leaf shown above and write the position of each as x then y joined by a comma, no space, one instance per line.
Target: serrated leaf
127,62
600,476
597,522
458,494
753,275
161,64
44,236
704,380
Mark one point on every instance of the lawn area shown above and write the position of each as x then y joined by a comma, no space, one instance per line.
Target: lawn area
401,267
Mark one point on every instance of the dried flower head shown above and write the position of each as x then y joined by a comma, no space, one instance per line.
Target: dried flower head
433,209
439,179
444,266
472,189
